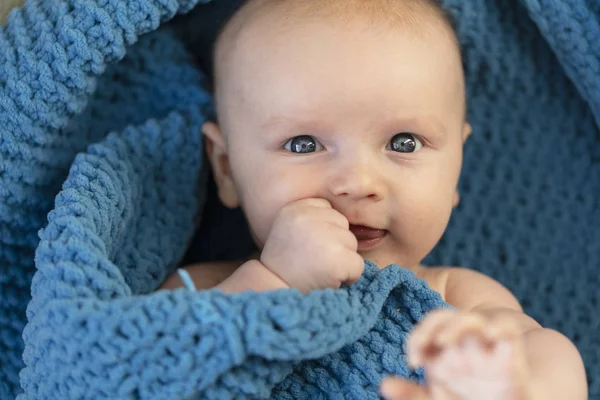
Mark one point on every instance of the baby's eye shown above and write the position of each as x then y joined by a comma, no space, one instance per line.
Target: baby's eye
405,143
303,145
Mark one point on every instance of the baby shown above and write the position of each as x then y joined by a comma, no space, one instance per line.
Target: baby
340,133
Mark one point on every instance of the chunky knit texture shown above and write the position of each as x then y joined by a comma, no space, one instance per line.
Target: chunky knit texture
71,71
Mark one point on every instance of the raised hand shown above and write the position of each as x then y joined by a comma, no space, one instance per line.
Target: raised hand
466,357
311,247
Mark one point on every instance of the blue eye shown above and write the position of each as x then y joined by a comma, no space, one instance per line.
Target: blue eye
405,143
303,145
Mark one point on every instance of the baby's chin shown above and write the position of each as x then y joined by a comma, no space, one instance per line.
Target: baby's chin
383,259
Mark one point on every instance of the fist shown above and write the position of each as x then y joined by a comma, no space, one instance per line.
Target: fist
310,247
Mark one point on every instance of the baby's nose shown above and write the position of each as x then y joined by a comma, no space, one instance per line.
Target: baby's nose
357,179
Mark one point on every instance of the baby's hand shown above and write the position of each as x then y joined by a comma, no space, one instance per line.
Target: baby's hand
466,357
310,246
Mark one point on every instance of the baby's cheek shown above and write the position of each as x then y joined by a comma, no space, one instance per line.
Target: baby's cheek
260,221
262,209
281,186
257,204
422,222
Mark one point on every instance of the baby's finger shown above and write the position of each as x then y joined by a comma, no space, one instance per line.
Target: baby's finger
330,216
420,345
337,218
446,366
318,215
400,389
313,202
512,353
348,240
354,268
501,328
465,325
506,335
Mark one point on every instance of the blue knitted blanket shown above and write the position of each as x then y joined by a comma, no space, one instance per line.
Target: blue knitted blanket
102,183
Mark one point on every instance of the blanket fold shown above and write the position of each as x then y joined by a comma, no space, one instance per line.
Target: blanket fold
572,29
89,302
49,93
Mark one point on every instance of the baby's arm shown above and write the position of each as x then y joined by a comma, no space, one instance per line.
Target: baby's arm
555,368
309,247
231,277
489,349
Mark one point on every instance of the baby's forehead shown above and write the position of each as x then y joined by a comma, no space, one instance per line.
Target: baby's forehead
267,17
259,22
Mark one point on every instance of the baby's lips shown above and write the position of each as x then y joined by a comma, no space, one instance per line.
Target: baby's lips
366,233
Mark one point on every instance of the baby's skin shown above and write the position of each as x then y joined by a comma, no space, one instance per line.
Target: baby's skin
487,349
340,132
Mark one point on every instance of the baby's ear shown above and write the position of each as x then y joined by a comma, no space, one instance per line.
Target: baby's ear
216,150
456,199
467,130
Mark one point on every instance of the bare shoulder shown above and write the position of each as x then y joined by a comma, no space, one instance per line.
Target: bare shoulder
205,275
435,277
467,289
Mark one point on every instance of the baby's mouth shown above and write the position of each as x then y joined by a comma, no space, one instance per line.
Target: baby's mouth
368,238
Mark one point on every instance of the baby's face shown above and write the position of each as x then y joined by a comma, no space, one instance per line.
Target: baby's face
370,120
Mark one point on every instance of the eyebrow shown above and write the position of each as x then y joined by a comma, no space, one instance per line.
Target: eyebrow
276,120
302,123
427,125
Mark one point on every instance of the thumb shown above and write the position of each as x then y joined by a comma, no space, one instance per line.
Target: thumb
401,389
